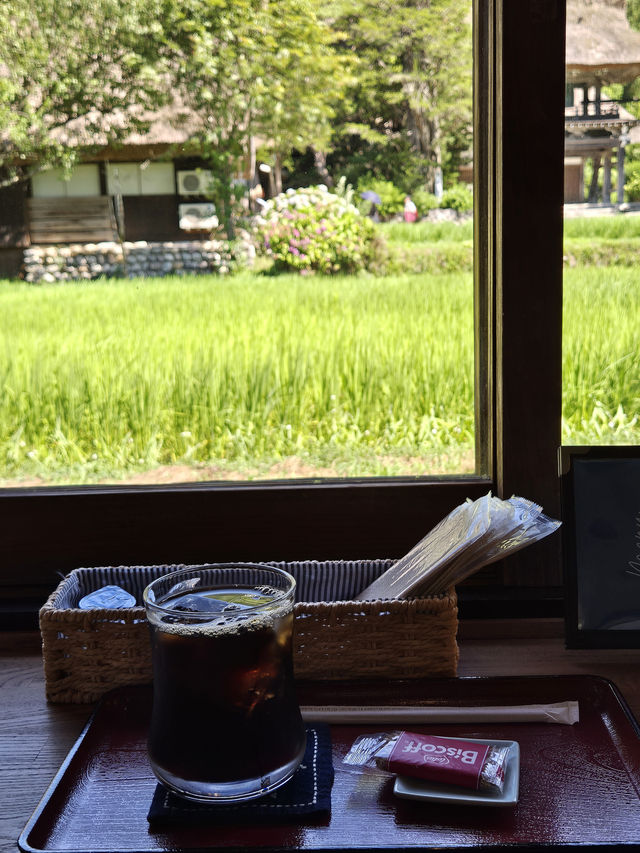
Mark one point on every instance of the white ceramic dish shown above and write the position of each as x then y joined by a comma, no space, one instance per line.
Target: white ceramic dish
420,789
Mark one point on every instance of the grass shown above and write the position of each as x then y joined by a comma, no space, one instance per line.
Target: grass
256,376
429,247
601,356
427,232
448,247
617,227
355,374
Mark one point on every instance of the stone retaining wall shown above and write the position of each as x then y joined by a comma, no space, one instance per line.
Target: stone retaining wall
128,260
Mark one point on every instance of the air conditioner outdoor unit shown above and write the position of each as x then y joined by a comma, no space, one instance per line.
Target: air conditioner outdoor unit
194,182
197,217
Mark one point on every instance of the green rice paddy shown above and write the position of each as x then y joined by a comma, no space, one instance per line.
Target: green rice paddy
257,376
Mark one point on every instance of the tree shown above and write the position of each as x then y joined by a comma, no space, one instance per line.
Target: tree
79,71
259,68
414,74
392,72
91,71
302,82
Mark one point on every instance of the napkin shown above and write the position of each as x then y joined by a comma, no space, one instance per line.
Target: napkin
308,792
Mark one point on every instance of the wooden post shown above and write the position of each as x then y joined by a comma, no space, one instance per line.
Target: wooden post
621,178
606,179
526,102
592,198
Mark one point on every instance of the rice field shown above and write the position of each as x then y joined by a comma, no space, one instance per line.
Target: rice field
601,356
358,375
254,376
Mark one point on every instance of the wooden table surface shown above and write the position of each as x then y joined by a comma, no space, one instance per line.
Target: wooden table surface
35,736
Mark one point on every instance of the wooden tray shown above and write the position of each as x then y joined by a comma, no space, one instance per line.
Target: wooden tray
579,785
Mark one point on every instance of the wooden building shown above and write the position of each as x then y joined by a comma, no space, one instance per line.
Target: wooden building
601,49
150,187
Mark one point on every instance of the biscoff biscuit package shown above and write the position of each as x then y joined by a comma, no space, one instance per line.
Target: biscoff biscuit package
465,763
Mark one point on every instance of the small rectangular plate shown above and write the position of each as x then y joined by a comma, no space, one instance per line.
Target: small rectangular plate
420,789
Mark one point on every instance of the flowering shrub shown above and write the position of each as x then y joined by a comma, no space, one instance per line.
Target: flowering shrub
458,197
391,196
313,230
424,200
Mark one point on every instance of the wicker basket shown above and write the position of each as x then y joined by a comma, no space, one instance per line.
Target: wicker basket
88,652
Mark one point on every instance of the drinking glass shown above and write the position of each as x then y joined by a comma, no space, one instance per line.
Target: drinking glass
225,725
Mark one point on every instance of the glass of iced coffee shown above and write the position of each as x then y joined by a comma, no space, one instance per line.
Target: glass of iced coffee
225,724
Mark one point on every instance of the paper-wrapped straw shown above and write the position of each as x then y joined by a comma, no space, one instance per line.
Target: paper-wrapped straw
566,713
473,535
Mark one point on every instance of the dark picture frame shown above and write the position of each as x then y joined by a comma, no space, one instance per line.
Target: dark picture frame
600,498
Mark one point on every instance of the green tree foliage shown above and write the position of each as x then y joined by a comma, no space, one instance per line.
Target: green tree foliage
302,80
75,70
260,69
394,75
247,67
413,85
633,13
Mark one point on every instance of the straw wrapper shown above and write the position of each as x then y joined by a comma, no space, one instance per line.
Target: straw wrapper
566,713
473,535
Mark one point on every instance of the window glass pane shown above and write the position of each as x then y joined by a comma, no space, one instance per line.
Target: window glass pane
157,179
123,178
601,333
160,378
83,181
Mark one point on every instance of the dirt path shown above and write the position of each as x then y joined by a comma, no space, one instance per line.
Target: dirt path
292,468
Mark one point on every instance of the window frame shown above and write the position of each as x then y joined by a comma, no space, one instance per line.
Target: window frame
518,119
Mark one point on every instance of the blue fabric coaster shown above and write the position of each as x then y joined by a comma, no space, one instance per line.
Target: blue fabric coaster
308,792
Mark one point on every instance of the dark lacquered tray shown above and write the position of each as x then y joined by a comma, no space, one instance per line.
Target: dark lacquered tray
579,785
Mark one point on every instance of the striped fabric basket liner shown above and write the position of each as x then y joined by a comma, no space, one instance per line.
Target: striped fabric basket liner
88,652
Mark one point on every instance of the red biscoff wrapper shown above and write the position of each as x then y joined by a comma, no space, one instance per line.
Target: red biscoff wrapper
451,761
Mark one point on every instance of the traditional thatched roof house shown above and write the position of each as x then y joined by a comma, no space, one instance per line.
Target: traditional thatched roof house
601,49
151,186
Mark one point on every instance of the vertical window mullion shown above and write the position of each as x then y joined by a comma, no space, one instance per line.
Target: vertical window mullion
528,275
484,157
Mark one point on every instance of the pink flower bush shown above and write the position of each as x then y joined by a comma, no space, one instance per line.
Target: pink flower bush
334,236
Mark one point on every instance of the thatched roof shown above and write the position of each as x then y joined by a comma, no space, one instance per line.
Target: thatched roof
601,46
169,125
